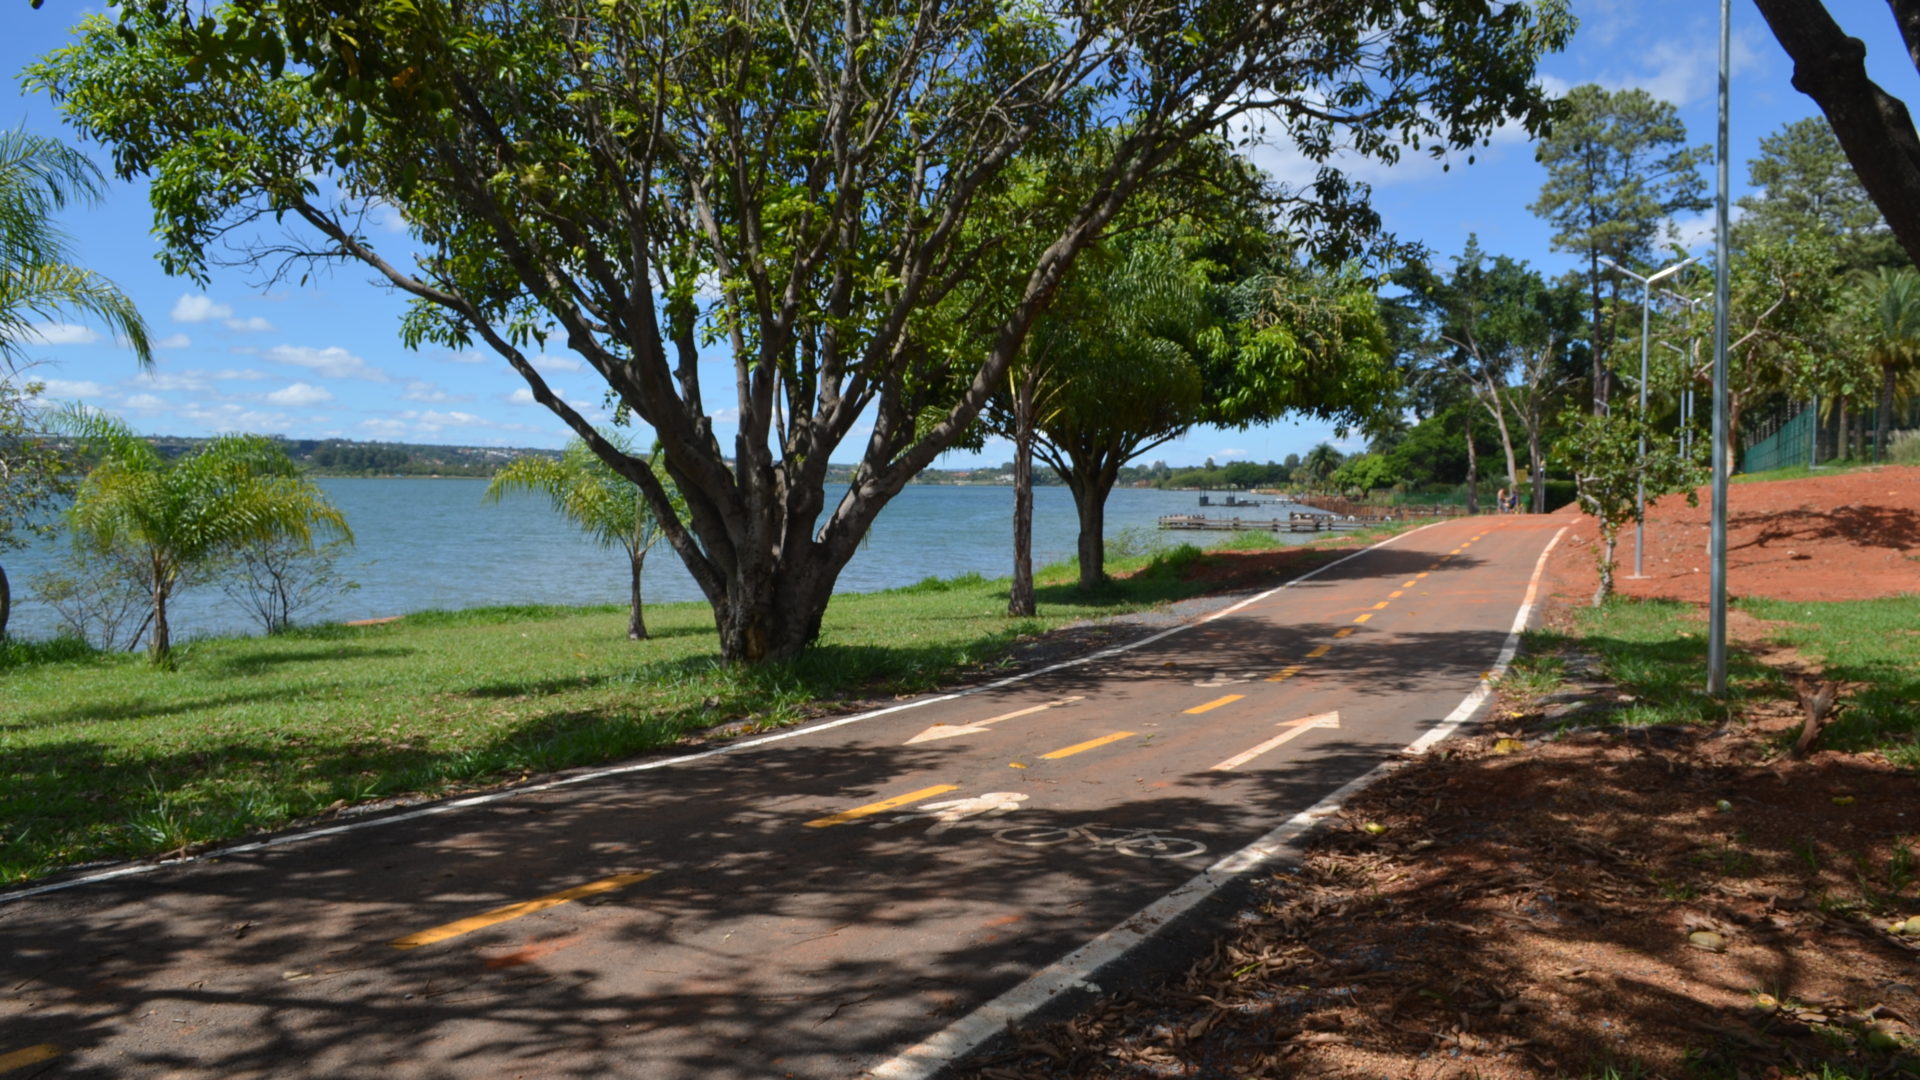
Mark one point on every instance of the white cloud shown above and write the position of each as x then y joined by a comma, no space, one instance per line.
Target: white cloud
548,363
146,402
524,396
422,390
1230,452
64,388
333,362
384,426
253,324
58,334
173,341
173,380
300,394
467,357
427,422
197,308
230,417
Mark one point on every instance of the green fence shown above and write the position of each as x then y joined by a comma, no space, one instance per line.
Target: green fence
1791,445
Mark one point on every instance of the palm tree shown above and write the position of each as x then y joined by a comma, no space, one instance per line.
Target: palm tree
605,505
182,515
38,177
1321,461
1893,340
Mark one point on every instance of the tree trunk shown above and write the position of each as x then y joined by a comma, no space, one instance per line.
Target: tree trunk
1020,599
1092,506
636,621
1506,442
1605,588
1843,438
1599,355
160,645
1733,433
1536,470
1473,473
1881,422
6,602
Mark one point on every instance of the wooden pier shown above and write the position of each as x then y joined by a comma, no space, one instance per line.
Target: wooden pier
1293,523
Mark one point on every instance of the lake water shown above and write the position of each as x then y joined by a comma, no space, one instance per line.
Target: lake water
434,543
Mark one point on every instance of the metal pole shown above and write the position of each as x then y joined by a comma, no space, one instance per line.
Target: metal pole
1722,438
1640,493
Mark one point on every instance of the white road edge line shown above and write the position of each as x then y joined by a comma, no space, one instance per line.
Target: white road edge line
922,1060
282,840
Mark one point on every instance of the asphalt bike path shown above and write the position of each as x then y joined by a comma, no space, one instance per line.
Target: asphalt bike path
847,899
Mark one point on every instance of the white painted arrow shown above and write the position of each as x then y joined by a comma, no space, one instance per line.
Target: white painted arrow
1295,729
948,731
947,813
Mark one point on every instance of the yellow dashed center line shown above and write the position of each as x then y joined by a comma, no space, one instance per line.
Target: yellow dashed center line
1397,593
1342,632
1285,673
1420,575
1406,585
1322,650
514,911
1069,751
1363,618
1214,704
1381,606
32,1055
882,806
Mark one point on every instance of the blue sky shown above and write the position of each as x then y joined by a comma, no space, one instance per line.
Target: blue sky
325,360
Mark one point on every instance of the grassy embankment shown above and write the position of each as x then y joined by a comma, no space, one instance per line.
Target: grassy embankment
108,757
1656,651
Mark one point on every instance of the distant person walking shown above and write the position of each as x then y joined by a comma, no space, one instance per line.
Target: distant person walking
1500,502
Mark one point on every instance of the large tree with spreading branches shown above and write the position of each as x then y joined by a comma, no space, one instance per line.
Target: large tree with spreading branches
740,212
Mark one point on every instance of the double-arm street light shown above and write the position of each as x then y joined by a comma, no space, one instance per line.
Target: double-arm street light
1646,307
1693,358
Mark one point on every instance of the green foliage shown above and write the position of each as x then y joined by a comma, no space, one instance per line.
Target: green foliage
795,184
171,518
1805,189
38,279
1365,472
1617,456
1618,168
604,504
277,579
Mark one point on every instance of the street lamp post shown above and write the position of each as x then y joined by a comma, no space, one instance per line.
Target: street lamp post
1646,308
1686,397
1722,437
1693,361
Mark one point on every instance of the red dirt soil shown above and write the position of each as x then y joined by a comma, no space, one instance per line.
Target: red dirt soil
1849,536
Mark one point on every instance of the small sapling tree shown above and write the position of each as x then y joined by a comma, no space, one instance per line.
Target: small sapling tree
1608,466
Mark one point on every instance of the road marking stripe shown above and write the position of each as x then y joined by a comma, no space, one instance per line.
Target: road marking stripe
883,805
1075,970
1363,618
1409,584
1285,674
1214,704
32,1055
449,806
1069,751
1421,574
975,727
1342,632
1397,594
514,911
1295,729
1381,606
1322,650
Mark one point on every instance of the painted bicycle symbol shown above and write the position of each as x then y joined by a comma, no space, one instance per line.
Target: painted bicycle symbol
1140,843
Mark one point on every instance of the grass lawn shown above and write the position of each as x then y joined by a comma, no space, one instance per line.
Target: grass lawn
109,757
1656,650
